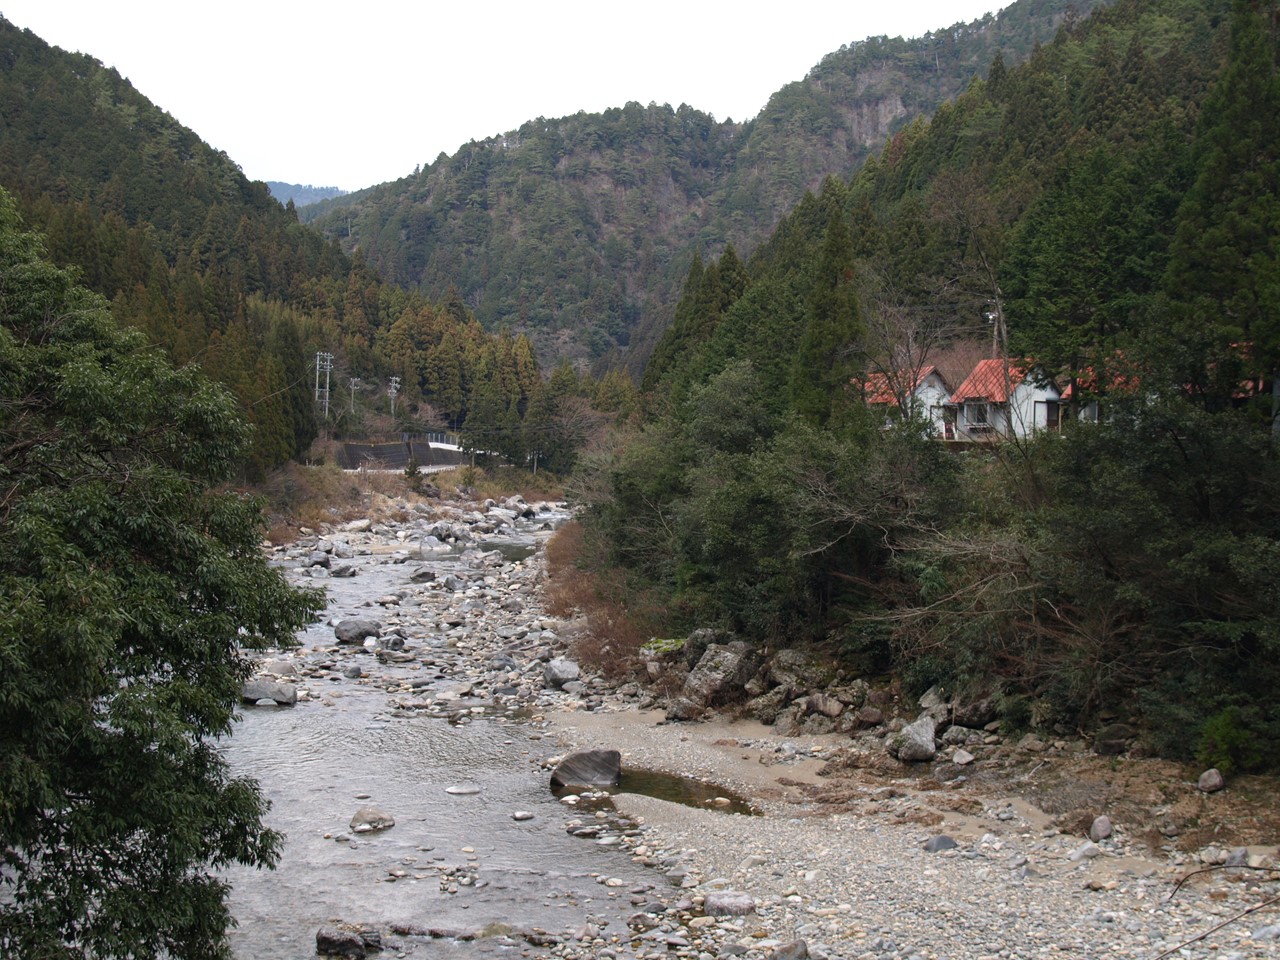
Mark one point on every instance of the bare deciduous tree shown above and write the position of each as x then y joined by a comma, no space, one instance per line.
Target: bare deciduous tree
901,338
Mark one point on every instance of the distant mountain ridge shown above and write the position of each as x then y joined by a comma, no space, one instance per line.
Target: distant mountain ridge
302,194
578,231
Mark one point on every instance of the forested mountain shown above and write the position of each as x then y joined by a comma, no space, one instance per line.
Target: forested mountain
217,272
301,195
1050,187
578,231
1111,210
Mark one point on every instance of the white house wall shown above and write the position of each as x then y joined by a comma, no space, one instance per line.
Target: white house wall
1025,414
997,423
931,395
1028,407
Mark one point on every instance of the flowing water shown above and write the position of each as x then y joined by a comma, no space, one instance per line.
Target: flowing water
318,765
318,762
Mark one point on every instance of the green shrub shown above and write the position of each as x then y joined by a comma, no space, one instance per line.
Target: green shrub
663,646
1227,742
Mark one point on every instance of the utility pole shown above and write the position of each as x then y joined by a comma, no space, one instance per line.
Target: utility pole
324,362
353,383
392,390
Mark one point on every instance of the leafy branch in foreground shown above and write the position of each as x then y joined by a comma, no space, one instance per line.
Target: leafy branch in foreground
129,587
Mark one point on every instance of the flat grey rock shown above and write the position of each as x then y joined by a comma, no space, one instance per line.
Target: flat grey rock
590,768
285,694
728,903
356,630
368,819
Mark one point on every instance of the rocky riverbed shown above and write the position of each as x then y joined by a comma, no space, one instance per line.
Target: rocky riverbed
412,774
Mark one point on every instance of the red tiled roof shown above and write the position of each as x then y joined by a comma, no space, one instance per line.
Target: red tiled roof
876,388
1118,381
989,382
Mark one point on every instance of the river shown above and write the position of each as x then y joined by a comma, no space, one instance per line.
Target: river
347,746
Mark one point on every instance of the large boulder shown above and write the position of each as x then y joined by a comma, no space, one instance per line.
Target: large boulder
695,645
801,670
821,703
852,694
916,741
355,631
721,675
767,706
285,694
682,708
560,671
1114,739
590,768
1211,781
337,942
368,819
934,702
975,713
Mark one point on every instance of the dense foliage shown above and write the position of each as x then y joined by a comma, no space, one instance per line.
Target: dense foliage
577,231
1108,208
129,586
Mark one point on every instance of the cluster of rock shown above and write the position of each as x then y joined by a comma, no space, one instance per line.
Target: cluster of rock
475,642
461,644
1008,893
431,528
801,694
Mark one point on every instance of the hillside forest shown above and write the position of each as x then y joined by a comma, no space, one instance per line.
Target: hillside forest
578,231
1106,214
216,272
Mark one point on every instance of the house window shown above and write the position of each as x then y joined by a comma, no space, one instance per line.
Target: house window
1052,414
977,416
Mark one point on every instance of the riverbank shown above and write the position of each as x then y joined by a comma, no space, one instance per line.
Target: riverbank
834,863
847,865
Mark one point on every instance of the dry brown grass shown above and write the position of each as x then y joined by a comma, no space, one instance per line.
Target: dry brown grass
309,496
498,483
615,619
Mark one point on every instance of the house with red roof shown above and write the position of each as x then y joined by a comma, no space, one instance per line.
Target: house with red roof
1003,398
924,395
1086,391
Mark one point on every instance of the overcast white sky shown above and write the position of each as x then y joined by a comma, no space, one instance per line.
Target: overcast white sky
358,93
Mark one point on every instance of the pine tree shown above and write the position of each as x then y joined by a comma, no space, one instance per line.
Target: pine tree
824,361
1225,267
